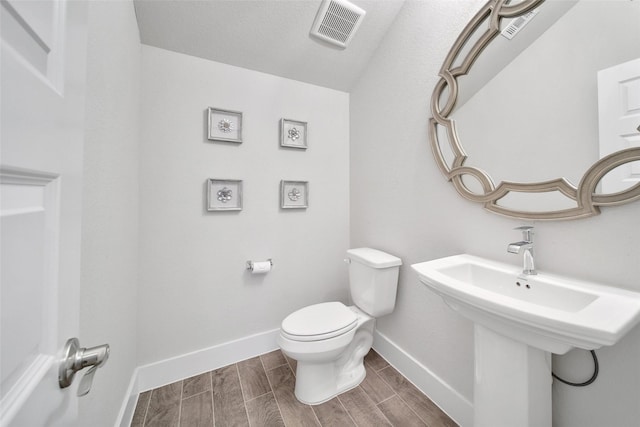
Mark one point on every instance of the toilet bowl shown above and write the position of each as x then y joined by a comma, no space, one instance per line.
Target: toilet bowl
332,364
329,340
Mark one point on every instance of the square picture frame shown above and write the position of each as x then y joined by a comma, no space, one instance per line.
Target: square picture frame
224,195
224,125
294,194
293,134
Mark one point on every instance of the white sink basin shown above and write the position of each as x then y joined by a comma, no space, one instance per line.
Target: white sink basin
545,311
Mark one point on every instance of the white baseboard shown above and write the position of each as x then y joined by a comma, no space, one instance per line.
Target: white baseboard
166,371
187,365
449,400
129,405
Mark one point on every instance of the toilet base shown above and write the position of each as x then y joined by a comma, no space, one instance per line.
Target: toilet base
317,383
314,389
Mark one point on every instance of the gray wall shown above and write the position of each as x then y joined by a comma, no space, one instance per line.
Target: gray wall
194,291
108,304
402,204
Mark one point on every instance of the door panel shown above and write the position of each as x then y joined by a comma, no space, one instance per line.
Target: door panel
35,31
43,84
28,220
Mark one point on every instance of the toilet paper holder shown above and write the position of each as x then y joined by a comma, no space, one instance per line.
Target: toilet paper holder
250,264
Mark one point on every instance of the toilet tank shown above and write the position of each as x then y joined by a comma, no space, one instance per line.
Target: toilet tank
373,280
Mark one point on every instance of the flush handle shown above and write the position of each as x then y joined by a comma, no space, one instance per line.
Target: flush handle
75,359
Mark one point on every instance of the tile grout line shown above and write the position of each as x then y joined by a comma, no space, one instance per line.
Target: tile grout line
180,405
146,411
384,367
244,399
384,382
213,411
313,411
411,409
290,367
347,412
376,405
274,392
395,393
400,397
194,395
254,398
264,369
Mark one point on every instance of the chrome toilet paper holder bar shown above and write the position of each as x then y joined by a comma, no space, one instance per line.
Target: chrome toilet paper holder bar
250,264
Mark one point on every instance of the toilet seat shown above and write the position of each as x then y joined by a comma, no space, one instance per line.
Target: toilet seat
319,322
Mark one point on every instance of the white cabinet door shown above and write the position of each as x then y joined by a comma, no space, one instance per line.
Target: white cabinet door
619,121
42,131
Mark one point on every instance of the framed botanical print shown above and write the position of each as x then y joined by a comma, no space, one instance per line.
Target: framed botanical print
225,125
224,195
293,133
294,194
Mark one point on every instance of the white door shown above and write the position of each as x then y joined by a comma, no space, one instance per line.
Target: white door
619,121
43,85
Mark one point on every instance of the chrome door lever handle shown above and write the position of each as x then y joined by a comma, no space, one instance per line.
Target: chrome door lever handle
76,359
86,381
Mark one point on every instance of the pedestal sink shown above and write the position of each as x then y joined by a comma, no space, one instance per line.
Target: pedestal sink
518,322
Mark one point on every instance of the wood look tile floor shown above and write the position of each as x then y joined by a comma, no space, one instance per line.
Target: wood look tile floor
259,392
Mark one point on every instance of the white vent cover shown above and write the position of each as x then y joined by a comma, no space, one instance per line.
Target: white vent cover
518,24
337,22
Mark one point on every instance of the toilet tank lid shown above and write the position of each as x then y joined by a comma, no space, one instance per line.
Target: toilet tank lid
373,258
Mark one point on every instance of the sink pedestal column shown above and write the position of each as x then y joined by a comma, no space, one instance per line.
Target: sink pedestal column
512,385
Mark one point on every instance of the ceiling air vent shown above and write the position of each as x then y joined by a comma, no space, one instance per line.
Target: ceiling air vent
518,24
337,22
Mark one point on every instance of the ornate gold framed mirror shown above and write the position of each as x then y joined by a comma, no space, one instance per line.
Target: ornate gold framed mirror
606,175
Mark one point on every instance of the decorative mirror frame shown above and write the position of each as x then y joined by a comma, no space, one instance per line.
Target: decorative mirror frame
587,201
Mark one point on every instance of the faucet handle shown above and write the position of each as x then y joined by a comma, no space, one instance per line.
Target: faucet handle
527,232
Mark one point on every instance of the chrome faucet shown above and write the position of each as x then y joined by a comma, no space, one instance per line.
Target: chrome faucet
526,246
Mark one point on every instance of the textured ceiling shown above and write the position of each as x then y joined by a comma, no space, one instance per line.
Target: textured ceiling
271,36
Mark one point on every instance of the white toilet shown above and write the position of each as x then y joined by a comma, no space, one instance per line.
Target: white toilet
329,340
